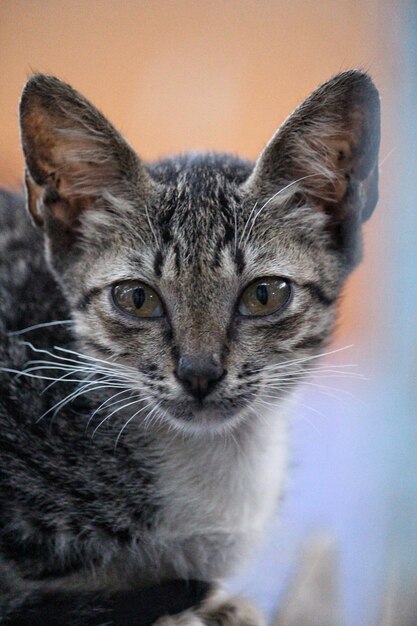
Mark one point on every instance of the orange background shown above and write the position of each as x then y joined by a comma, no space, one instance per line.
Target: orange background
223,74
193,74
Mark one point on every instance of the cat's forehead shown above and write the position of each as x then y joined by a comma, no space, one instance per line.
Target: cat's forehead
193,172
198,204
203,231
201,223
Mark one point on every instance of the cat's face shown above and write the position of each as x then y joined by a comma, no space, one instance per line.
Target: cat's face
207,281
196,308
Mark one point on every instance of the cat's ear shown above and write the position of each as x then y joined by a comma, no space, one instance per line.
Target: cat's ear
325,155
74,156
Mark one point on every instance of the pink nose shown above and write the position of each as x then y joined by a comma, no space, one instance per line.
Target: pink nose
199,374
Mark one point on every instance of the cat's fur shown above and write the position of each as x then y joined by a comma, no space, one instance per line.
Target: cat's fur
189,486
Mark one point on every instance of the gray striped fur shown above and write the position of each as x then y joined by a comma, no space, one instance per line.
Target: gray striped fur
188,488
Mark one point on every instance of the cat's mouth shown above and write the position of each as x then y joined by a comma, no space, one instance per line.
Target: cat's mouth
196,416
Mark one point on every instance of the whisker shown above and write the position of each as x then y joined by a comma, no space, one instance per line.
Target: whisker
138,398
22,331
247,222
69,360
323,374
331,392
386,157
10,370
158,245
295,382
128,422
283,364
149,420
86,363
93,365
235,224
61,378
112,364
312,424
294,182
88,357
318,370
105,379
91,374
51,354
119,393
86,388
270,404
81,369
312,409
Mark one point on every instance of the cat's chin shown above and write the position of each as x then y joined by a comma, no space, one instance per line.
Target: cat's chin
200,420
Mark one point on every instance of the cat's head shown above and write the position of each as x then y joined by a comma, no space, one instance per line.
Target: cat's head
210,282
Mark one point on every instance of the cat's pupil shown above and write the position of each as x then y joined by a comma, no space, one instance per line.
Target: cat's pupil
262,294
138,297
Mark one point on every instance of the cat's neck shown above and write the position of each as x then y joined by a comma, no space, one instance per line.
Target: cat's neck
225,489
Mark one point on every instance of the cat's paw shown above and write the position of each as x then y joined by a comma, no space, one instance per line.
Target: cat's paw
187,618
217,610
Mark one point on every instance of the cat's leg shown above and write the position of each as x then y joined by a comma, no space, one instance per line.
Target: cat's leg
219,609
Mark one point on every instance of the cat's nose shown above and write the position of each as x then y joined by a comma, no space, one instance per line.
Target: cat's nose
200,373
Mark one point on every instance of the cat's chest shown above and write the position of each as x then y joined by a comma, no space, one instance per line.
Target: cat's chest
222,494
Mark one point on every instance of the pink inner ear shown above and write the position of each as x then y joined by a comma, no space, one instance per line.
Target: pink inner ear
67,211
64,149
71,162
328,144
46,199
34,195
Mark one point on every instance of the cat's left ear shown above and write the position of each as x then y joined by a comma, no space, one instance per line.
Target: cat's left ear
75,158
325,155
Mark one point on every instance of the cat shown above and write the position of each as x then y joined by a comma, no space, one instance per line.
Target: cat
150,316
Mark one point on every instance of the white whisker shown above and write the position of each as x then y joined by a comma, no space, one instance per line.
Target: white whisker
60,379
272,405
304,359
294,182
36,326
386,157
247,222
322,374
130,419
138,398
119,393
148,421
313,410
158,245
88,357
86,388
10,370
235,225
105,373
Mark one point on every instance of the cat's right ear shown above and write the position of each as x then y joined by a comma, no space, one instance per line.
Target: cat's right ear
75,159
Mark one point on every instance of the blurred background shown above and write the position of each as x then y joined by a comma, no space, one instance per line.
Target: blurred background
222,75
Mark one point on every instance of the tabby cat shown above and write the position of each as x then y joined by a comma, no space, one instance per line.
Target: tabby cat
150,316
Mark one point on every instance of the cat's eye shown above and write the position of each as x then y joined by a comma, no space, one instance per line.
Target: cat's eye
265,296
138,299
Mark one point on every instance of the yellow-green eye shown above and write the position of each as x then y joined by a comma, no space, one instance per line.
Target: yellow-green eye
135,298
265,296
